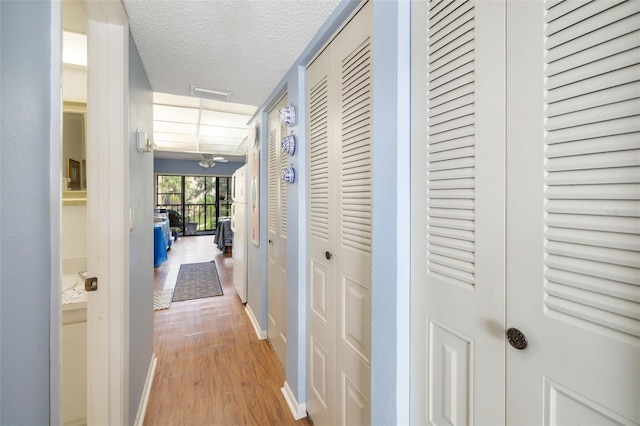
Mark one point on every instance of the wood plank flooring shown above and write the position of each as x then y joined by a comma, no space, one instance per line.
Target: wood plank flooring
212,369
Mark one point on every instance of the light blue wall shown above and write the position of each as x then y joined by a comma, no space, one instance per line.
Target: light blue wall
294,84
297,248
141,192
391,213
391,219
191,167
390,310
25,251
256,255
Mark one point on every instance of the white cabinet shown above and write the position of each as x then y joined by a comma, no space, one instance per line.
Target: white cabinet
74,364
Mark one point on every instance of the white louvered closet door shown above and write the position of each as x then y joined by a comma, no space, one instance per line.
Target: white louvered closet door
339,94
571,250
573,258
321,395
277,236
354,75
458,213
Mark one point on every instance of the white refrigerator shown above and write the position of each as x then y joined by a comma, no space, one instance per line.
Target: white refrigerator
239,225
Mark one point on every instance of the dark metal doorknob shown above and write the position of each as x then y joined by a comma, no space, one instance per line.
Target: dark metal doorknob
91,284
516,338
328,255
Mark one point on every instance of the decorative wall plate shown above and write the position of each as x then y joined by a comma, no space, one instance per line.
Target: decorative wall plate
253,135
289,175
289,144
288,115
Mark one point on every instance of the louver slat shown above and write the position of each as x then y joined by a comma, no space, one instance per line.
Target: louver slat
283,186
451,142
318,161
602,34
356,148
581,22
273,202
592,107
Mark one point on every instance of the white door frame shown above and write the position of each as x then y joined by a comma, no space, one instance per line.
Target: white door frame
55,200
107,213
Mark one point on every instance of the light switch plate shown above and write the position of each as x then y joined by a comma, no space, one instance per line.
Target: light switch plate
143,142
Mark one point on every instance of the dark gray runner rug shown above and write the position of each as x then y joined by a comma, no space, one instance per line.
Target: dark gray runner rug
197,280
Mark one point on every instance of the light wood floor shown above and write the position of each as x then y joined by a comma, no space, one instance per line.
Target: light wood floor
212,369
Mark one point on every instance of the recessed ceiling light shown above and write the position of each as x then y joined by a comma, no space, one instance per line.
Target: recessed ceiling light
210,93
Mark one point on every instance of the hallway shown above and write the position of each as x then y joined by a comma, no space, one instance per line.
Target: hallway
212,369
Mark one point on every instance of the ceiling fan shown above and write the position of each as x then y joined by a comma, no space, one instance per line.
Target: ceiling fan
208,160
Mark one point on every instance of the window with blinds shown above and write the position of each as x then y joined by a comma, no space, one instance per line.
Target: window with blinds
592,152
451,141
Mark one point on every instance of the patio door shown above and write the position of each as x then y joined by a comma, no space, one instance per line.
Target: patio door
200,200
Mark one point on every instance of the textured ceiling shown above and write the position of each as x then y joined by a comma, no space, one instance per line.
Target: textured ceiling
244,46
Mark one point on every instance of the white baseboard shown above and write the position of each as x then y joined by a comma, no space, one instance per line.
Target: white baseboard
79,422
299,411
262,334
146,391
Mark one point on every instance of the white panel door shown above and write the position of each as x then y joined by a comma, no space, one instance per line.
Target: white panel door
277,236
339,96
458,213
573,212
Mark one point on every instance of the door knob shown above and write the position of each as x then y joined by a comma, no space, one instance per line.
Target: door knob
328,255
516,338
91,284
270,241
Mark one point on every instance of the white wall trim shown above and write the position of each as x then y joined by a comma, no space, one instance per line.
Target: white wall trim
108,213
262,334
146,391
299,411
55,191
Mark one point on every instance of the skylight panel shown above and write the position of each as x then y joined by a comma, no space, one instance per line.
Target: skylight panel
175,114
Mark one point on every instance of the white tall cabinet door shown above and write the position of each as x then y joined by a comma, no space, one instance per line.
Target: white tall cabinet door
573,246
277,236
339,96
458,189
